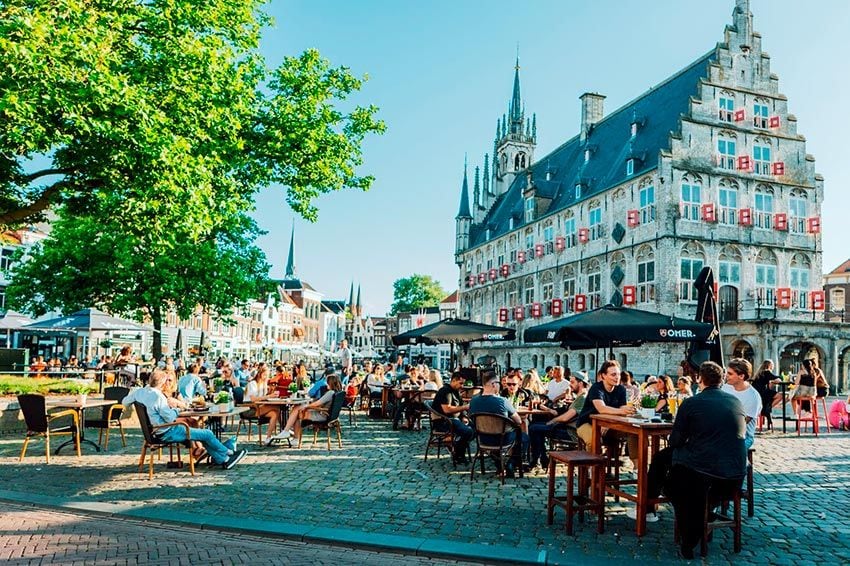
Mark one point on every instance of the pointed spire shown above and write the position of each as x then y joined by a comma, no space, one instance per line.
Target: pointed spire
486,174
534,125
498,128
516,109
463,211
359,307
290,260
504,125
351,298
476,189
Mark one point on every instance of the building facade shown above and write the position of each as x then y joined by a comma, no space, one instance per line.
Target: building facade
705,169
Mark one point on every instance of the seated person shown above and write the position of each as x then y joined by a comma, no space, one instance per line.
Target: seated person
448,403
558,388
281,380
164,410
312,412
491,402
191,385
375,382
738,372
318,390
513,393
683,388
402,404
561,426
258,390
664,388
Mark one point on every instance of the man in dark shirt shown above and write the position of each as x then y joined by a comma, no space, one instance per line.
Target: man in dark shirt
447,402
491,402
606,397
708,454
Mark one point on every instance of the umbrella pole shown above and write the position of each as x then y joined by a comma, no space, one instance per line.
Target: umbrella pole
452,357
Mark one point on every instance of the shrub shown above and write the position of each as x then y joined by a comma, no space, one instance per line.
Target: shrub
15,385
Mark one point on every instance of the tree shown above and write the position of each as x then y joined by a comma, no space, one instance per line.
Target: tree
415,292
164,113
87,261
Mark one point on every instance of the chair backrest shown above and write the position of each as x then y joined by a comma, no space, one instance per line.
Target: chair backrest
336,405
145,423
35,411
114,394
494,425
471,392
238,395
427,396
437,418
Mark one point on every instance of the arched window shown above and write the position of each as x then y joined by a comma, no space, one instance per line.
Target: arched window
762,155
727,199
534,360
800,273
594,285
797,211
765,278
726,150
557,359
569,288
726,106
513,295
623,360
581,364
645,275
760,113
837,299
691,261
691,197
548,286
570,229
529,290
729,267
763,205
591,363
646,197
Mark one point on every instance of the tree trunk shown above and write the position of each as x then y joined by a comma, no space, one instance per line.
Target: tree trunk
156,317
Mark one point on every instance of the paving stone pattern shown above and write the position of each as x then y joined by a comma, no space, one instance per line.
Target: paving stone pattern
379,483
40,536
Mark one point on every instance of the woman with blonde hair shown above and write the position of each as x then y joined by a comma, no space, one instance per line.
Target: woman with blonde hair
532,383
435,381
316,411
258,390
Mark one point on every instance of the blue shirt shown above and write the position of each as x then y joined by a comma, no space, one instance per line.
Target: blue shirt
155,402
190,385
243,375
316,391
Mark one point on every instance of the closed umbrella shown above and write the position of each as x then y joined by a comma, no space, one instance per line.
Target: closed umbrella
712,348
178,344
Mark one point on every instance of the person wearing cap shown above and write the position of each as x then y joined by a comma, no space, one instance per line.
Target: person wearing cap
561,426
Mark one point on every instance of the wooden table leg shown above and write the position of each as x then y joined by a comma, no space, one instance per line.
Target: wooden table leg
641,483
596,448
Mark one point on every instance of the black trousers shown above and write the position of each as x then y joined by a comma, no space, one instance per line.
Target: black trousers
691,492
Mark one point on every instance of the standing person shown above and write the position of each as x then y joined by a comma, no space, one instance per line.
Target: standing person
763,383
491,402
708,454
738,372
346,357
448,403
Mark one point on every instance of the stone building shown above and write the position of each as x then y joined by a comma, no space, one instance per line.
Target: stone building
836,286
705,169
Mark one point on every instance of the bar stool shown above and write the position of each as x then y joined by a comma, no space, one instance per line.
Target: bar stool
825,413
813,405
581,501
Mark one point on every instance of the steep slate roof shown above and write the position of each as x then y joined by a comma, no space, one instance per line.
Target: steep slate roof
657,111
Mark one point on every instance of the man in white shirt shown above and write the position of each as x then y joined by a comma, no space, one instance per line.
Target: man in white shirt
558,387
346,358
164,410
738,372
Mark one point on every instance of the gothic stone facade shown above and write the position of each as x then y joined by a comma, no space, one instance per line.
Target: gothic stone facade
705,169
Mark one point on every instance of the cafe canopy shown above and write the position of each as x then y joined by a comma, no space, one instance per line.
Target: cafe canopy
454,331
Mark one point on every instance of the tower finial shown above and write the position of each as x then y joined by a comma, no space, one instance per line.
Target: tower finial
463,210
290,260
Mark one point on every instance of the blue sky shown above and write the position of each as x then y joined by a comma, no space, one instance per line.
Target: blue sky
442,72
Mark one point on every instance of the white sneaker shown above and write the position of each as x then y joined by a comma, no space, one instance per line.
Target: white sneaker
282,435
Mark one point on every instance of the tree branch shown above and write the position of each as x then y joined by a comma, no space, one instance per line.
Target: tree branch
40,204
46,172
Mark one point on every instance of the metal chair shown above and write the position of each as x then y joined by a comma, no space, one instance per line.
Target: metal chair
110,416
38,422
154,443
250,417
441,435
332,422
494,427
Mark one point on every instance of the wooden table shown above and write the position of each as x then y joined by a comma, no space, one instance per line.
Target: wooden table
217,416
648,434
283,404
80,408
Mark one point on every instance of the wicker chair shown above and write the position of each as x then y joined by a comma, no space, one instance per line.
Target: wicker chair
441,435
111,416
38,423
505,448
250,417
154,443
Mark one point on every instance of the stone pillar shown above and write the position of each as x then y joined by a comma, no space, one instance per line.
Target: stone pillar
832,375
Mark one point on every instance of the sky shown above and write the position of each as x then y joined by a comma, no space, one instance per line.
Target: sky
442,71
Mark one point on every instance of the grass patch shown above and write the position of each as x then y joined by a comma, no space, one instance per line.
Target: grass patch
16,385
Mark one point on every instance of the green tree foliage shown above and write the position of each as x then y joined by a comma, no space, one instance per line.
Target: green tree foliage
165,114
414,292
93,262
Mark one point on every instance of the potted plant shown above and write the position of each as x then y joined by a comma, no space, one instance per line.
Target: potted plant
218,383
223,399
81,390
647,406
293,388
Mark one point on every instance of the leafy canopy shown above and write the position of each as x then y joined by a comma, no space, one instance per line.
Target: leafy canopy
414,292
165,111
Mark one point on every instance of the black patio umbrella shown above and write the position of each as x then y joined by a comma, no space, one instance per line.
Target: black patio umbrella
454,331
178,344
712,348
611,326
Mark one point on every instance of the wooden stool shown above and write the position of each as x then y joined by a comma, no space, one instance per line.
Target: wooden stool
580,502
825,413
769,418
813,406
747,490
719,521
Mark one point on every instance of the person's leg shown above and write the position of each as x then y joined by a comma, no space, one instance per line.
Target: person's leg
632,444
272,414
537,433
658,470
688,491
463,433
585,433
217,451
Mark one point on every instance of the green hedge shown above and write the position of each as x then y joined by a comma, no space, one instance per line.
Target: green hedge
16,385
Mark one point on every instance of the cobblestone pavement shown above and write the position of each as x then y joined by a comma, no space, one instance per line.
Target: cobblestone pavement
39,536
379,483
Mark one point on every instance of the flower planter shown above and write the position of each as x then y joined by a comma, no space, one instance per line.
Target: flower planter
647,413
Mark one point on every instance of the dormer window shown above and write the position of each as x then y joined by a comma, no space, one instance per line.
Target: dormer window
630,167
487,234
511,223
529,209
578,190
634,129
586,155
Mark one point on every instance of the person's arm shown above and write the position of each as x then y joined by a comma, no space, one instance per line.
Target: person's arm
660,405
604,409
564,418
453,409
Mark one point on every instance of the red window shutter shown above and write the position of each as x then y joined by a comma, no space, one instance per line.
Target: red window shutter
536,310
780,221
482,277
745,216
708,212
520,257
778,168
470,281
813,225
560,243
506,270
581,303
519,312
745,163
583,235
716,289
629,294
538,250
557,307
503,315
740,115
818,300
783,298
775,122
492,274
633,218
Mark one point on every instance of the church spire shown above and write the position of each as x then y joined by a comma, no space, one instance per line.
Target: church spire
351,298
476,189
359,307
463,211
486,187
516,109
290,260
